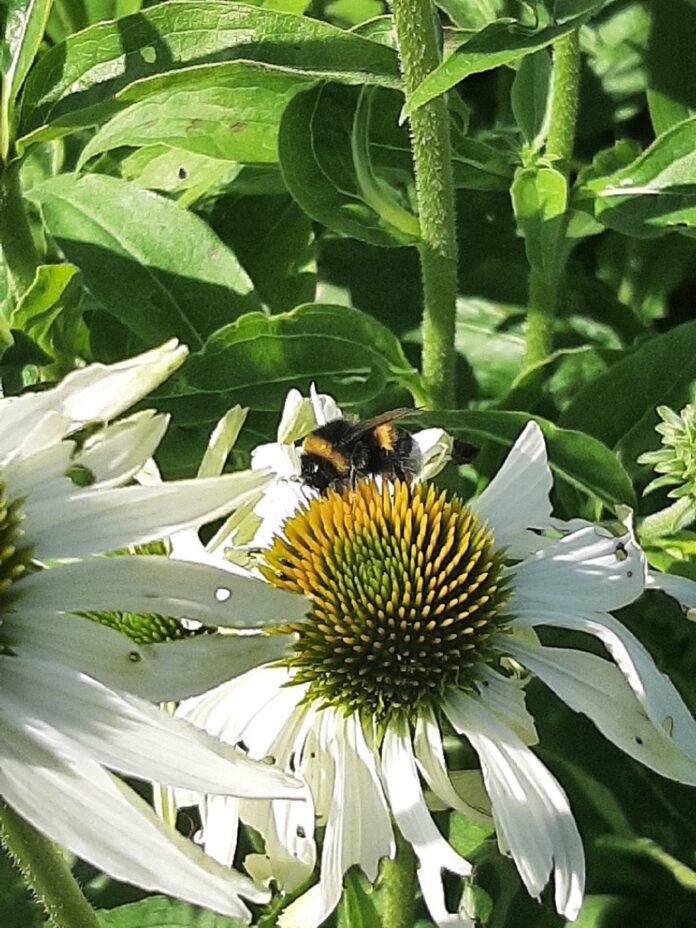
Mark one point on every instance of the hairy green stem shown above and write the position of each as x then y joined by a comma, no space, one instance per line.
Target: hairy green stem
419,51
543,289
398,885
44,868
21,256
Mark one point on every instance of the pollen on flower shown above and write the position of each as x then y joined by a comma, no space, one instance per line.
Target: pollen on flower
406,594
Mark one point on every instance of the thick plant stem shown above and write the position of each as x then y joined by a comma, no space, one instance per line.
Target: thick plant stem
543,289
44,869
21,256
419,50
398,884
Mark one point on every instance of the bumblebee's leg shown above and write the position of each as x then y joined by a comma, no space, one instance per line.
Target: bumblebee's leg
359,464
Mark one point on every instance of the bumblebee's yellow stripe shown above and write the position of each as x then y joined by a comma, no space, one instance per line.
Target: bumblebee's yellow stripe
323,449
385,436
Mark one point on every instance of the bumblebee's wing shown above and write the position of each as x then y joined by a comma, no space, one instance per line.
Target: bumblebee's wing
367,425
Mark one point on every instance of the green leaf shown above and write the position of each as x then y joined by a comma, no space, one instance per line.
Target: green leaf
357,907
160,270
530,93
671,63
500,43
327,147
273,239
182,173
578,460
657,192
619,406
257,359
55,290
159,912
76,82
230,112
539,200
25,22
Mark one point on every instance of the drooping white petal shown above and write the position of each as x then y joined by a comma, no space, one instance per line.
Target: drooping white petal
597,688
219,825
430,755
168,671
258,697
118,453
74,801
416,825
129,735
517,498
505,697
90,521
149,583
358,830
286,827
530,808
680,588
660,700
589,566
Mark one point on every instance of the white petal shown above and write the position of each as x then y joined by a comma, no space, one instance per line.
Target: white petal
435,446
118,452
90,521
590,569
358,830
530,809
660,700
680,588
168,671
27,426
95,816
595,687
416,825
283,460
517,498
42,473
219,827
150,583
257,697
222,440
129,735
286,827
430,754
101,392
324,407
505,697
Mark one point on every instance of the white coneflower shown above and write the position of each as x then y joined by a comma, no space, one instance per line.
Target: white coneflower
70,689
423,611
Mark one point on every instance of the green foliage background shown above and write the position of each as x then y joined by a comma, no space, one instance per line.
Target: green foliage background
238,176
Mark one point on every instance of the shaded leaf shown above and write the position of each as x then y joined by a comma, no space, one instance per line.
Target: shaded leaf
619,406
499,43
327,150
76,82
160,912
228,112
25,22
579,460
656,193
165,275
257,359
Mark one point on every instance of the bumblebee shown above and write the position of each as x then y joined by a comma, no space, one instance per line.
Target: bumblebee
337,454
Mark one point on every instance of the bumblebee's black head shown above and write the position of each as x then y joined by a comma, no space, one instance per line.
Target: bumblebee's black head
324,464
318,472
